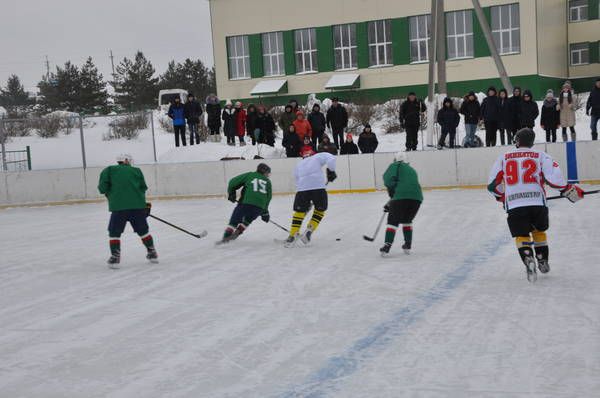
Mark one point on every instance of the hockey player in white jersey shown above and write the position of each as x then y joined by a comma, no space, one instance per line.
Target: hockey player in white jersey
310,186
517,180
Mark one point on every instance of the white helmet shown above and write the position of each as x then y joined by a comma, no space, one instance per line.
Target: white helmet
401,157
124,157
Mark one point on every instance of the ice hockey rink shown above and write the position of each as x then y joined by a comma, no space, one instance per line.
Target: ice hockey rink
457,318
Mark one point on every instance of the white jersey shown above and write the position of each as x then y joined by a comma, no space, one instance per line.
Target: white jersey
309,172
520,175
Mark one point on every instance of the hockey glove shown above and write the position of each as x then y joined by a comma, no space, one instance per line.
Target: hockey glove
573,193
232,197
386,207
266,217
148,208
331,176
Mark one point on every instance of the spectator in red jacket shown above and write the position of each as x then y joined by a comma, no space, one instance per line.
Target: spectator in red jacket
303,128
240,122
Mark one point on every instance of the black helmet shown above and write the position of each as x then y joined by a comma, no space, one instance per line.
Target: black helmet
525,138
263,169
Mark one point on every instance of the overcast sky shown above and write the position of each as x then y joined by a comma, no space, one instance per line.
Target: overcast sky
75,29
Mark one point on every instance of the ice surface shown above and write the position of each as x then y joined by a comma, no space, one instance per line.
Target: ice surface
456,318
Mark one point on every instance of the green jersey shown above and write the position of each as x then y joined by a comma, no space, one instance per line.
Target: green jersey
402,182
256,189
124,187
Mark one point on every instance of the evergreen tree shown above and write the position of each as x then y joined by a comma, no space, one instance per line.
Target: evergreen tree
61,90
92,88
135,86
13,96
190,75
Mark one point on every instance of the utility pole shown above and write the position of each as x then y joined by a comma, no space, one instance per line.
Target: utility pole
431,50
441,48
112,64
47,68
490,42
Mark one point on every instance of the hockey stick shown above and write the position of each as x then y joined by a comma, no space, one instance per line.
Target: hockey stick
584,194
198,236
279,226
368,238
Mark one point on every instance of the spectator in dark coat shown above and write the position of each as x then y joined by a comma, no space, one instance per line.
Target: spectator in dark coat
471,110
317,123
349,147
229,122
177,114
550,120
448,119
327,146
286,118
490,113
505,117
213,120
529,110
367,140
251,128
266,126
410,119
514,107
592,108
291,142
337,120
193,111
294,104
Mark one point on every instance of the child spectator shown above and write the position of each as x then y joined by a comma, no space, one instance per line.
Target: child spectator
302,125
367,140
550,119
349,147
327,146
291,142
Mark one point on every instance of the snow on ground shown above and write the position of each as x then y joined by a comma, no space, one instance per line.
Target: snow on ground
457,318
65,151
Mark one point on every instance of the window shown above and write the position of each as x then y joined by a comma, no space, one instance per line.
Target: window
344,46
273,60
306,50
580,54
420,33
578,10
239,57
459,26
380,43
506,28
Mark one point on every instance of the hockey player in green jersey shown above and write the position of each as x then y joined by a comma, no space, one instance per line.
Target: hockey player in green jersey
406,196
125,188
254,201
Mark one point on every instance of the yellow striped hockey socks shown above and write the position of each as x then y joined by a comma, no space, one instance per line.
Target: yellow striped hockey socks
316,219
297,220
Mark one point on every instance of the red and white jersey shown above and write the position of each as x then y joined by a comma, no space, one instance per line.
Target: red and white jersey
520,175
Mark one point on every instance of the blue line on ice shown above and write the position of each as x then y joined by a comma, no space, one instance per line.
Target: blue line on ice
328,377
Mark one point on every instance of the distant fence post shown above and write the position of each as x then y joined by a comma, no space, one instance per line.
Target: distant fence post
82,142
153,138
2,139
28,149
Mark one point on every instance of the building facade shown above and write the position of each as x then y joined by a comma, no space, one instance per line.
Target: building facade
277,49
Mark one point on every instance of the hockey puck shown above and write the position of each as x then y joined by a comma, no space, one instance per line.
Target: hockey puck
338,239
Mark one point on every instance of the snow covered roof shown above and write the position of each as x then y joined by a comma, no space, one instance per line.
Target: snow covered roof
344,80
270,87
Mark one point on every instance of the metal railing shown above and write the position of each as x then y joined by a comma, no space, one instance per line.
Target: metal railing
19,160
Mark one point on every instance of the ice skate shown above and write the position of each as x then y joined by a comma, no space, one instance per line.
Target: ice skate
385,249
406,247
152,256
290,241
530,268
543,266
113,261
305,238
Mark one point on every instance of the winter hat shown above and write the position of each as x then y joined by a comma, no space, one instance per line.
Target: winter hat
550,93
238,104
190,95
516,88
567,84
124,157
447,100
492,88
335,99
288,106
299,113
317,106
471,93
527,93
350,137
228,103
367,126
401,157
412,93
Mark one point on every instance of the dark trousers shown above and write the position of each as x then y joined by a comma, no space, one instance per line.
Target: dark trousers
445,133
491,132
120,218
573,134
214,130
402,211
338,136
412,138
550,135
317,138
510,135
193,126
179,132
244,214
503,133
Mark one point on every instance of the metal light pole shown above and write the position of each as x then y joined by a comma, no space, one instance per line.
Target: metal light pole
487,33
441,48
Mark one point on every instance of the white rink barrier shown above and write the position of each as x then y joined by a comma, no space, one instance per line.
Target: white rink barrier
356,173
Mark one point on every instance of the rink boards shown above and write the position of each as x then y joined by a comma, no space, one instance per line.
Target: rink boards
356,173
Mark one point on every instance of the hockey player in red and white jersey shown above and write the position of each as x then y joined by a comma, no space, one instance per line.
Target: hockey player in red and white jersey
517,180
